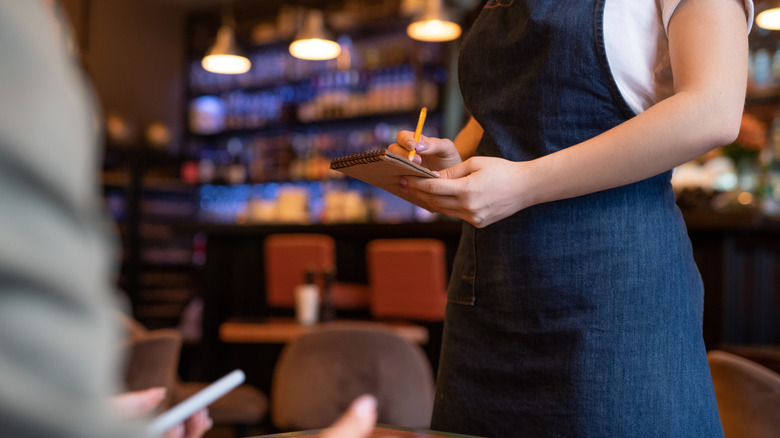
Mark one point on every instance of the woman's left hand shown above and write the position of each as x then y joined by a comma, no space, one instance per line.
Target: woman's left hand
137,404
481,190
194,427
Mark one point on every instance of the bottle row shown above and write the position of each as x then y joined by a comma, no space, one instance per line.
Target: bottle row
332,95
763,69
290,156
349,94
305,202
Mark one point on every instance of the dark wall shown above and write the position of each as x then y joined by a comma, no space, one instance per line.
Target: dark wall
134,52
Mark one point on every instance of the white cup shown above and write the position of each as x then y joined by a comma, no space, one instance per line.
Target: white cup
307,304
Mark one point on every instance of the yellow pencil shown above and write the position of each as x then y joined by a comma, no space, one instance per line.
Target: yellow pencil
418,131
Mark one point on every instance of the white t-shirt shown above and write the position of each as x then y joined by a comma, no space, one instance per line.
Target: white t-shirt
635,36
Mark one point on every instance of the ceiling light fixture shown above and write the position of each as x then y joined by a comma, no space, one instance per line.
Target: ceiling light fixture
433,25
313,42
224,56
769,19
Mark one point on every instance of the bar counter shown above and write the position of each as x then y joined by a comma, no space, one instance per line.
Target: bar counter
738,255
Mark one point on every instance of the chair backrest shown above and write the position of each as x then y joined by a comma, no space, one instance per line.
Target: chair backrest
321,372
153,360
748,396
407,278
287,257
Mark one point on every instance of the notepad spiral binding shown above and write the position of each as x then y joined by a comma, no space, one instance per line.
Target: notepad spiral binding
361,158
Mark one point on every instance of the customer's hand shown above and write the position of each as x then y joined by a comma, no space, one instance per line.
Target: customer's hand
481,190
431,152
357,422
194,427
137,404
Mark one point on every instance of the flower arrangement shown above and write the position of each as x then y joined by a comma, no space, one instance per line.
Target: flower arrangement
752,138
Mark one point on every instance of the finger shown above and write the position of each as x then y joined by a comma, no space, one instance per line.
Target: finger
197,425
176,431
433,186
395,148
460,170
439,203
405,139
138,403
447,205
357,422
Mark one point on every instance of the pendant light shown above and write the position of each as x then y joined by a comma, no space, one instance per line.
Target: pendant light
433,25
313,42
769,19
224,56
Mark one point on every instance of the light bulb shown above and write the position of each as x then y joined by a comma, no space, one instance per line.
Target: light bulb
433,30
769,19
315,49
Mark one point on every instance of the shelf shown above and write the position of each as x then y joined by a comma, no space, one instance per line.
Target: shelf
424,71
269,86
763,100
405,116
121,155
168,294
158,311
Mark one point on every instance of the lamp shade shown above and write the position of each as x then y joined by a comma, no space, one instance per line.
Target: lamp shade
769,19
225,56
313,42
433,25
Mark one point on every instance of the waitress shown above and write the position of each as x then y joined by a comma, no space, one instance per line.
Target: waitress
575,306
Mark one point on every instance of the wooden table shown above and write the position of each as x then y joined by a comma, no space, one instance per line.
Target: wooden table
283,330
380,431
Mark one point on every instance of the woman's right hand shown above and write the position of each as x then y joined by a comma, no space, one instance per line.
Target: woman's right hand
431,152
357,421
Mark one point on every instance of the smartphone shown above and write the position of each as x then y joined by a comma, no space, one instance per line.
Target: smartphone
196,402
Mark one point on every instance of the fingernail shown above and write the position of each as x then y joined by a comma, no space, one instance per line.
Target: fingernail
435,173
365,405
420,146
403,182
404,190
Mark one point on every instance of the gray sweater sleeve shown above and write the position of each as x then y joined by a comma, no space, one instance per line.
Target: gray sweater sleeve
58,355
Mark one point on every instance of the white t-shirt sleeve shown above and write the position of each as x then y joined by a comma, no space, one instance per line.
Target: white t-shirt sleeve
669,6
635,39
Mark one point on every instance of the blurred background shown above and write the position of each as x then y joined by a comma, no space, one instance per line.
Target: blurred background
200,167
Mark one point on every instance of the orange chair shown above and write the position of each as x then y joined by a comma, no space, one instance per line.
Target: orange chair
407,278
289,256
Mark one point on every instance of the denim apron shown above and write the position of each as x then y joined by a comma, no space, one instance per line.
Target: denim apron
580,317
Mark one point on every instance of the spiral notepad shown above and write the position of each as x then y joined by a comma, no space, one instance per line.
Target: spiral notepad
382,168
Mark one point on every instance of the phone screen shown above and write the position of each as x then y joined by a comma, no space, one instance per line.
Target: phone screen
197,401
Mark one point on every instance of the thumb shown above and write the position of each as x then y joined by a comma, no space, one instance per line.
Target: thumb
459,170
357,422
138,403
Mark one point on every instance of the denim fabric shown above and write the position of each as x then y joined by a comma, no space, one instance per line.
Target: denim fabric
579,317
